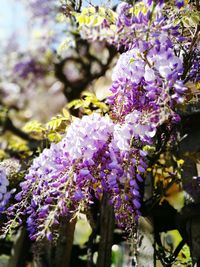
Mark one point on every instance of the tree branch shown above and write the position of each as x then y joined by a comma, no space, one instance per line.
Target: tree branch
73,89
32,142
106,233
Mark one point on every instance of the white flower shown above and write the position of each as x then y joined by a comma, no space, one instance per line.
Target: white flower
149,74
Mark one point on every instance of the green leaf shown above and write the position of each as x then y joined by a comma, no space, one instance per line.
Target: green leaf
74,103
54,137
58,123
34,127
66,44
66,113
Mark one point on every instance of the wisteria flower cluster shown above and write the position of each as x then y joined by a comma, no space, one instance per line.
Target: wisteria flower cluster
66,176
149,75
109,154
4,193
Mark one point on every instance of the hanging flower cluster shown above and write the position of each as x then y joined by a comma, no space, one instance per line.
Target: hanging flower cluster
109,153
4,193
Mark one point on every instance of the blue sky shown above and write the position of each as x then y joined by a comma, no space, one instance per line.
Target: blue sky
12,19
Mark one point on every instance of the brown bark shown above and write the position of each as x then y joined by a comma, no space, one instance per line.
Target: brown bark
64,246
106,234
20,250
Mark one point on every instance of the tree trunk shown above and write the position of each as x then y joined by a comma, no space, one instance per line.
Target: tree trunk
64,246
106,233
20,250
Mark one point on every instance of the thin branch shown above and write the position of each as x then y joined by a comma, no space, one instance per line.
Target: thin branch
188,57
9,126
32,142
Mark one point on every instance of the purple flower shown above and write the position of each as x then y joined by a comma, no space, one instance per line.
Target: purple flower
99,154
4,193
179,3
92,132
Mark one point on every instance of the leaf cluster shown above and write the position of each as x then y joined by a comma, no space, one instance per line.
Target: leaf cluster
52,130
92,16
88,103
